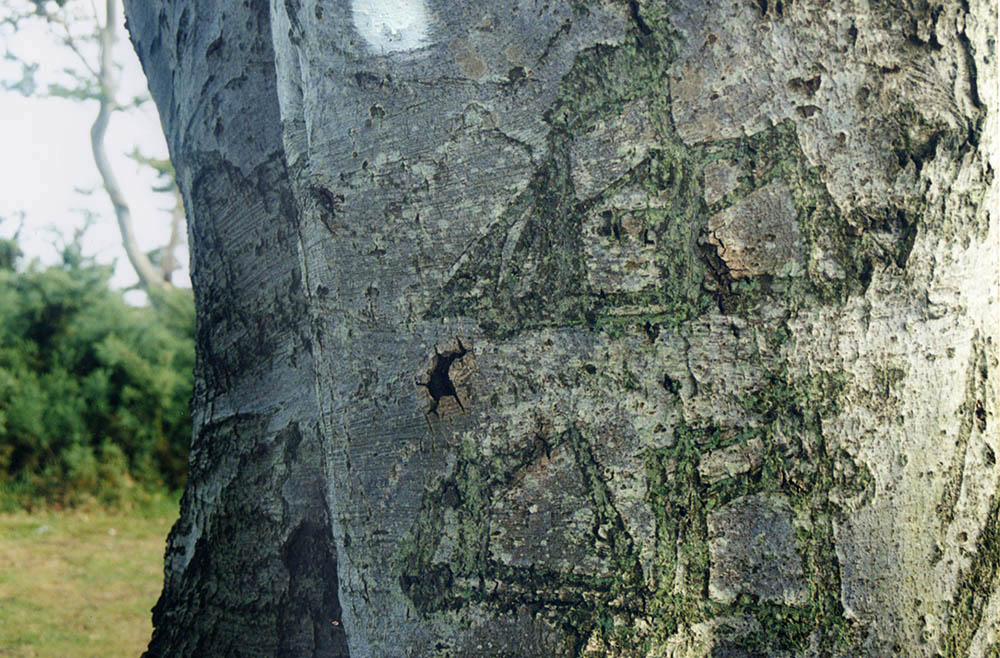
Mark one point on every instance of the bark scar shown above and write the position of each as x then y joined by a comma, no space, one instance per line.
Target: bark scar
440,380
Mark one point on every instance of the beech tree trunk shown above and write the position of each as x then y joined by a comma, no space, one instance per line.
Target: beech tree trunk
586,328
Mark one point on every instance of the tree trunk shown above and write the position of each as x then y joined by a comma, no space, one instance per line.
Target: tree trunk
151,277
586,328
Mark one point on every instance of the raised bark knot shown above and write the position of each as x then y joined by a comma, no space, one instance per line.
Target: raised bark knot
446,378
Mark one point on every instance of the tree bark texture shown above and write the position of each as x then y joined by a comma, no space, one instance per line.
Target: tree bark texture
586,328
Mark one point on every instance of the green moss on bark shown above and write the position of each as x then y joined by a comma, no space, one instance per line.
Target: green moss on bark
529,271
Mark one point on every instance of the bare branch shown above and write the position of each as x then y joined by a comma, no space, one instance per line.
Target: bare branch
70,41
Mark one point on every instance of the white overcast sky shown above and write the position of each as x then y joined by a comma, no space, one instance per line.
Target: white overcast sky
45,158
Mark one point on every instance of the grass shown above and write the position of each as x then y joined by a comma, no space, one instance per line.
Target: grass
81,582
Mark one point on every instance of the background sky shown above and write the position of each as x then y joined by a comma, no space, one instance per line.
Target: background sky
46,160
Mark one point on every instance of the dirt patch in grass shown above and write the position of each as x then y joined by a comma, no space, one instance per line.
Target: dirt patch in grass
80,583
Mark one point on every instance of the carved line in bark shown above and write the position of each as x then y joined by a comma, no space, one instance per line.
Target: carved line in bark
973,415
977,585
476,484
503,282
471,492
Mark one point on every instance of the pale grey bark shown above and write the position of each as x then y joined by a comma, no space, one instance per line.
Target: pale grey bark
586,328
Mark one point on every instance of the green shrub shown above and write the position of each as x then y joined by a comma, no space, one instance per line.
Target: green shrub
94,393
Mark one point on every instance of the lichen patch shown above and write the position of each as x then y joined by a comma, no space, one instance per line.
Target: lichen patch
469,63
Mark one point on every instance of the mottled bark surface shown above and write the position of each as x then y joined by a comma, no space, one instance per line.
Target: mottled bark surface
586,328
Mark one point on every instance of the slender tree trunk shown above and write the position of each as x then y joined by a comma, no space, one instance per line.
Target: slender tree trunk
150,276
586,328
177,223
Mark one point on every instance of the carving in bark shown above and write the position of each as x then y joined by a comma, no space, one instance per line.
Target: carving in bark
586,328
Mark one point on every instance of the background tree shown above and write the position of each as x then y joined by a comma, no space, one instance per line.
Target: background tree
90,35
586,328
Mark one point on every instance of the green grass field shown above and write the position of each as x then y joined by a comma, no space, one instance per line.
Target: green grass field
82,582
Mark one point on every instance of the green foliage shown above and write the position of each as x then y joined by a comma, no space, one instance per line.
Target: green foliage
9,254
94,393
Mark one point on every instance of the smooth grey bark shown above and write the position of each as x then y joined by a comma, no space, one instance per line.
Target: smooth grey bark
586,328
